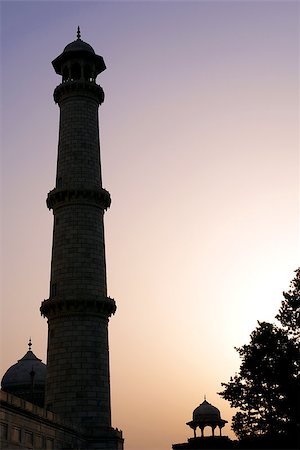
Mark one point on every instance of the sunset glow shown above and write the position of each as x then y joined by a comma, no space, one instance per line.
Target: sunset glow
199,136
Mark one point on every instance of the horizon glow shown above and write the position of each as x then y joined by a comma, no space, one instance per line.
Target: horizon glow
199,136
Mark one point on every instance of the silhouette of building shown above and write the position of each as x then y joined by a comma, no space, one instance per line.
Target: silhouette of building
206,415
77,408
27,378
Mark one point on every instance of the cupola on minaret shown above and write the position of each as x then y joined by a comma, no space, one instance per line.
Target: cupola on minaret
78,308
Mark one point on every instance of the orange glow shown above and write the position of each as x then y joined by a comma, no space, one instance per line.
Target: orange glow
199,147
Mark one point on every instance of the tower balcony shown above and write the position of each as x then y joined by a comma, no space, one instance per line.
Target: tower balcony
77,87
104,307
59,197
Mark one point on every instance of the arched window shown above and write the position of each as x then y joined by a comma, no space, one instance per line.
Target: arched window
93,73
65,74
87,72
76,71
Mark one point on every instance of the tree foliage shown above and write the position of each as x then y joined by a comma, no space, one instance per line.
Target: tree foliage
266,389
289,312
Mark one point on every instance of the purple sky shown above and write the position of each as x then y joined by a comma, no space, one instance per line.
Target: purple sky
199,145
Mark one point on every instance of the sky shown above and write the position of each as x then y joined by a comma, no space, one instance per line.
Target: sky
200,151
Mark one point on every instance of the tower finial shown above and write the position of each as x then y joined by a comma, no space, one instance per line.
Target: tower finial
205,397
78,33
29,344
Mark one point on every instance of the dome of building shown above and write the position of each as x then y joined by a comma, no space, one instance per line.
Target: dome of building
26,378
78,61
78,46
206,412
206,415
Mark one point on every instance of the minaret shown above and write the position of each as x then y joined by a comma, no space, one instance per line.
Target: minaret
78,309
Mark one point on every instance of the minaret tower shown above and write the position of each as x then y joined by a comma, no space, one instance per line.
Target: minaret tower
78,309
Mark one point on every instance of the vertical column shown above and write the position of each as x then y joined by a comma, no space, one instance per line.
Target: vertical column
78,309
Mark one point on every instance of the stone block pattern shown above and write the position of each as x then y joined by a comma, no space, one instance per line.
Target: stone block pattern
78,310
77,384
24,425
78,162
78,268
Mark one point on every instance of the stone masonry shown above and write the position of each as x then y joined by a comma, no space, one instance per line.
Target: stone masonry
78,309
24,425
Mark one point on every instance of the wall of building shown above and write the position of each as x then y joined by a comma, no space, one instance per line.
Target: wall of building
27,426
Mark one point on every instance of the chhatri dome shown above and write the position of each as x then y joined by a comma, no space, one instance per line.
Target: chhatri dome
78,62
78,45
206,415
26,379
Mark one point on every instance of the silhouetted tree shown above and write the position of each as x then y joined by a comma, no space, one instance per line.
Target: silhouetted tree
289,312
266,389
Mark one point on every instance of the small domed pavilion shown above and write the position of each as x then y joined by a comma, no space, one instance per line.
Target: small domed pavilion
206,415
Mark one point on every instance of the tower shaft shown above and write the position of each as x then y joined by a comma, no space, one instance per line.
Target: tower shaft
78,309
78,269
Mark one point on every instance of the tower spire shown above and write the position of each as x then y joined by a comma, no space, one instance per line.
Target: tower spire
78,33
29,344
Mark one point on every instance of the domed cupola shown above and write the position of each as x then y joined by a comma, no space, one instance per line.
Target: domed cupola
78,61
26,379
206,412
206,415
78,46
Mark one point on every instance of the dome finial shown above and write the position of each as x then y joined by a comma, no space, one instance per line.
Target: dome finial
78,33
29,344
205,397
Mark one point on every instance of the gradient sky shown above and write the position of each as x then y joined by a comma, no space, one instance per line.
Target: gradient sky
199,144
